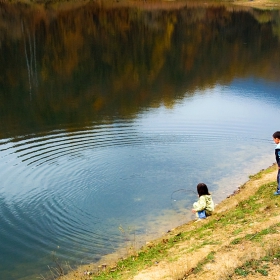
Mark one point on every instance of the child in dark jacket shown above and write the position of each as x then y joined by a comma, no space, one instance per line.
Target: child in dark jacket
204,206
276,138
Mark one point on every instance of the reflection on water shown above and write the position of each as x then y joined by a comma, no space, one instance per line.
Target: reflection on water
107,111
109,62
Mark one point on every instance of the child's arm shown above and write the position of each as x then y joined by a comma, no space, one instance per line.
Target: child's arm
199,205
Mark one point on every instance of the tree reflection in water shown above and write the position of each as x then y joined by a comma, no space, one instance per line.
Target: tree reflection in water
86,62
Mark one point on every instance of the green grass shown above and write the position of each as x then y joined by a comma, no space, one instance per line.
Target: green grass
209,258
262,172
260,266
145,258
240,217
236,241
237,231
257,236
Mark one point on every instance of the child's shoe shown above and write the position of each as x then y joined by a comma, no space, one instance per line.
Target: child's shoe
201,214
277,193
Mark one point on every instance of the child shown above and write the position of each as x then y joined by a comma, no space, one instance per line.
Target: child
276,138
204,206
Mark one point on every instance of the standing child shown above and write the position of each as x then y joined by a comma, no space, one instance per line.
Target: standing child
204,206
276,138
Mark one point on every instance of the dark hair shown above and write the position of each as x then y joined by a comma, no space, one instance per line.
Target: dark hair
202,189
276,135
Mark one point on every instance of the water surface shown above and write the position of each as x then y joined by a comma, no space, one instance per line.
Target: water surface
111,115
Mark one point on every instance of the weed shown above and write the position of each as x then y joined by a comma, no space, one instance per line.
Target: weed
261,173
237,231
236,241
58,269
258,266
241,272
127,234
256,176
209,258
258,236
262,272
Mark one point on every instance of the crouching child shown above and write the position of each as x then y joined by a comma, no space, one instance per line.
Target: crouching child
204,207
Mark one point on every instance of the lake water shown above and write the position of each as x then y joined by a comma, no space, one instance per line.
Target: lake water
112,114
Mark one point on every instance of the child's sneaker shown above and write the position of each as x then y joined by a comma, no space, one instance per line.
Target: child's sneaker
277,193
201,214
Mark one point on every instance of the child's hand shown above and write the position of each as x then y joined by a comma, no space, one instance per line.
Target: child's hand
193,210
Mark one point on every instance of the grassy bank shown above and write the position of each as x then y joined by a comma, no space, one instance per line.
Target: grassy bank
240,240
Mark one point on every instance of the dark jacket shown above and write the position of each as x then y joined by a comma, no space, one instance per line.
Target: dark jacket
277,154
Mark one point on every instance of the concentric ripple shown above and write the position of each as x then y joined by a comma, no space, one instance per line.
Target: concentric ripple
82,194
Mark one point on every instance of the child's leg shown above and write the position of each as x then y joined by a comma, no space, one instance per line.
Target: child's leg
208,213
201,214
278,181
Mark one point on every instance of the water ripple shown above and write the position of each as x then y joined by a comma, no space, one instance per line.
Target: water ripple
72,192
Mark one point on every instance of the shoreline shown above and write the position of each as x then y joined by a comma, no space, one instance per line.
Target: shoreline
109,262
